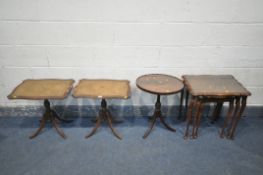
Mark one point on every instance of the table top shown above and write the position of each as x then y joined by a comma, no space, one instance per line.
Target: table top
160,84
39,89
102,88
214,85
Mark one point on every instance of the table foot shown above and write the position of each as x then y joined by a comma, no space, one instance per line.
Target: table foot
48,117
41,127
105,115
59,131
152,123
157,114
94,129
166,125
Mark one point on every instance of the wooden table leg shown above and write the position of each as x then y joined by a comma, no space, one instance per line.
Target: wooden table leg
189,117
237,117
48,116
228,117
104,114
181,103
217,111
199,108
237,108
157,114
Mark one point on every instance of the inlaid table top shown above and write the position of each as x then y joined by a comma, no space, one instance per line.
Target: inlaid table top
159,84
102,88
39,89
214,85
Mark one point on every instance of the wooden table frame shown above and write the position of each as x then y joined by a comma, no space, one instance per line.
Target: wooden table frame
102,89
104,114
237,104
38,85
157,109
50,115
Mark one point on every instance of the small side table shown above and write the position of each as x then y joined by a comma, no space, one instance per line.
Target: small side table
217,89
160,84
44,89
102,89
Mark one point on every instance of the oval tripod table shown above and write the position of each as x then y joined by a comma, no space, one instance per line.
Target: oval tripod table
160,84
102,89
44,89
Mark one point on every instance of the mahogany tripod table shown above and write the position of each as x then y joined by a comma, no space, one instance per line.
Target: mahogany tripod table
216,89
102,89
160,84
44,89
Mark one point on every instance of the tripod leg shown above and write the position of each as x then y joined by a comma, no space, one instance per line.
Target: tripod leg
95,128
166,125
111,127
59,131
150,128
42,125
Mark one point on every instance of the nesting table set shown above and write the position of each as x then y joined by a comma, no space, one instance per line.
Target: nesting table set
202,88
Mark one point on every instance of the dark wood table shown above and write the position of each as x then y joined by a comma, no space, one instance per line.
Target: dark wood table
102,89
215,89
44,89
160,84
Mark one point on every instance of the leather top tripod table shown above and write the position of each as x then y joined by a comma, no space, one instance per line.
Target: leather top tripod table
160,84
217,89
44,89
102,89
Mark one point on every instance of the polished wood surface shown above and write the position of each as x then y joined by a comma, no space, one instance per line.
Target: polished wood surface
159,84
218,85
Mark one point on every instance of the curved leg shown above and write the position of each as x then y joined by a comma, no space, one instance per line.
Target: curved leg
111,127
189,118
42,125
229,114
195,117
150,128
198,119
59,131
237,118
237,108
166,125
216,112
94,129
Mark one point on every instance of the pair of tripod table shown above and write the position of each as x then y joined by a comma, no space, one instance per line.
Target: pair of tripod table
46,89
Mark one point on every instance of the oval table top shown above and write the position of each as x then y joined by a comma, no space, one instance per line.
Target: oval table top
161,84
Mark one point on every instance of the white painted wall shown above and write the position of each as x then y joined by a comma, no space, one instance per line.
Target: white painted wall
123,39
